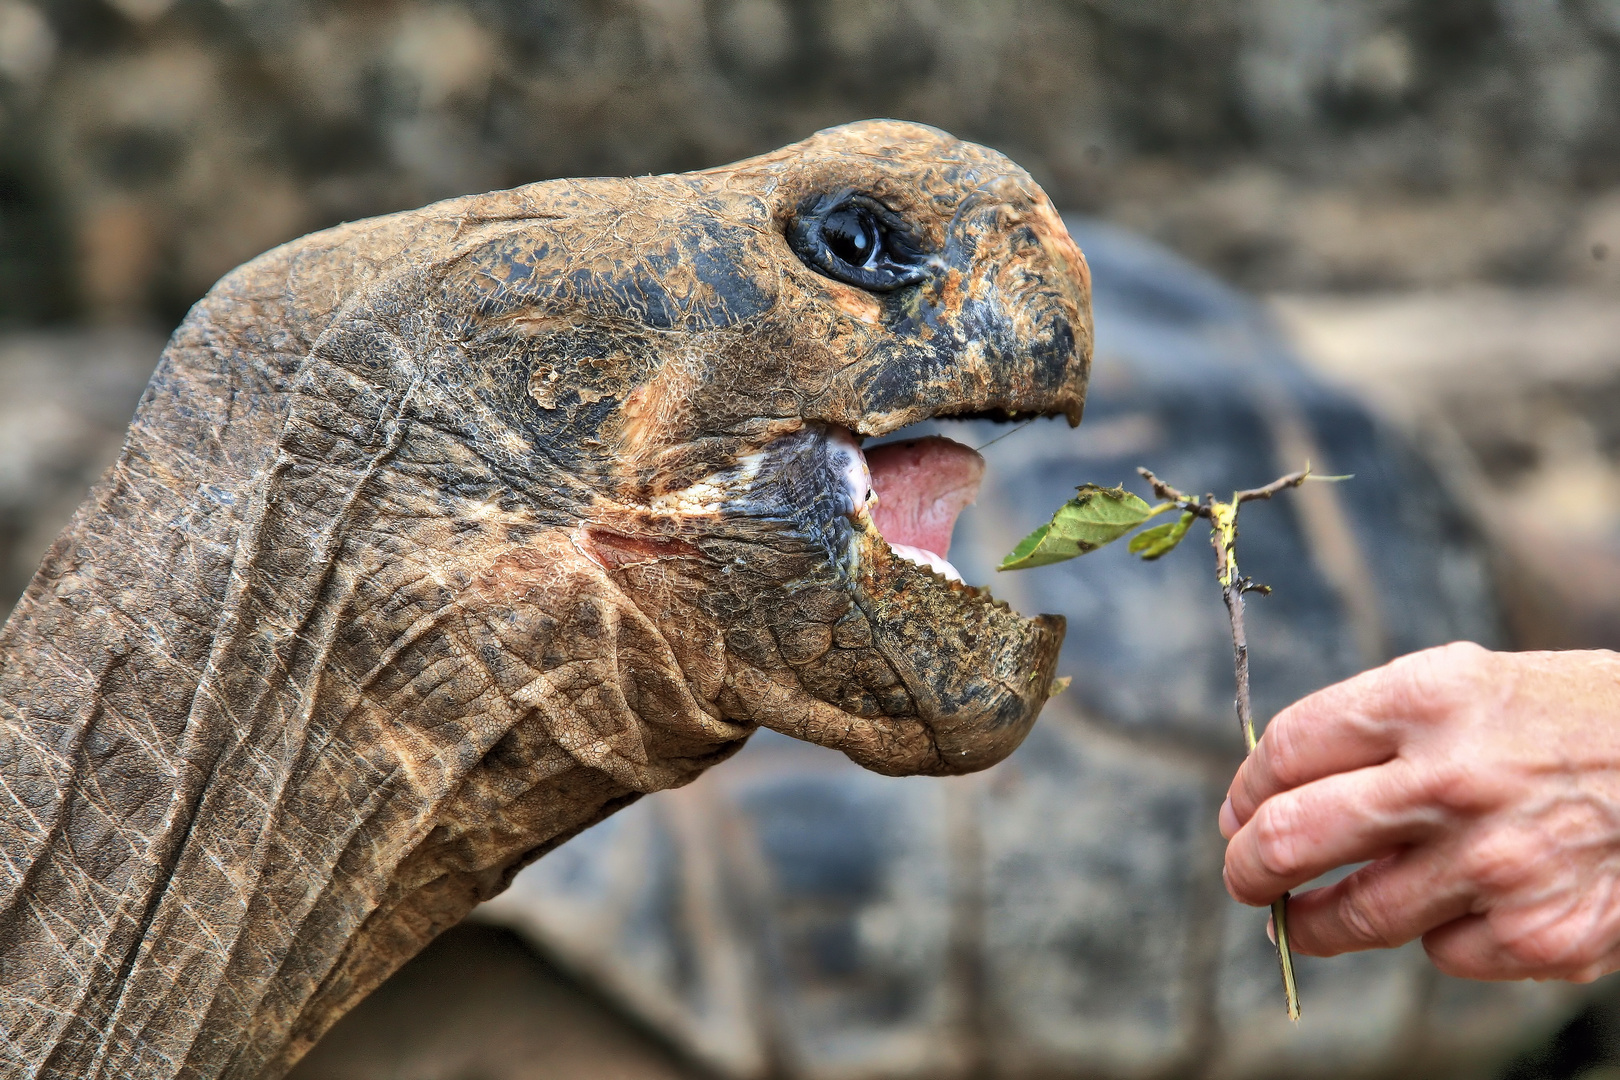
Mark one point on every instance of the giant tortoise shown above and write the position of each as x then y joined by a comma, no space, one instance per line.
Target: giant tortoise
441,536
1061,915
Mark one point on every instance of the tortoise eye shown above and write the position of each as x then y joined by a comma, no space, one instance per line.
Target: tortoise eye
852,235
857,240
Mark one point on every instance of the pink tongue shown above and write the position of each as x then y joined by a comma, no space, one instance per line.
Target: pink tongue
922,484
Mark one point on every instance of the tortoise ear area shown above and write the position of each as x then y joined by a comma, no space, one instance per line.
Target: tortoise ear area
563,610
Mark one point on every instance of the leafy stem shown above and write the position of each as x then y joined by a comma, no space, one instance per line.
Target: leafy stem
1222,518
1097,516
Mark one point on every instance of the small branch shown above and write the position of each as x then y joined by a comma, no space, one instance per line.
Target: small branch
1222,518
1223,537
1151,544
1282,483
1180,498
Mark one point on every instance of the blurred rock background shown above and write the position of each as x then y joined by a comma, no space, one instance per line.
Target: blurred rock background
1448,170
151,145
1426,191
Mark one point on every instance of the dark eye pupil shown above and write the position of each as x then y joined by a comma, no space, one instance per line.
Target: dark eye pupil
858,240
851,234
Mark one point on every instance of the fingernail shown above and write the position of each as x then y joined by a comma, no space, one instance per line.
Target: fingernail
1271,929
1228,819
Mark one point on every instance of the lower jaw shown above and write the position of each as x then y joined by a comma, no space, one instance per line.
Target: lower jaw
928,560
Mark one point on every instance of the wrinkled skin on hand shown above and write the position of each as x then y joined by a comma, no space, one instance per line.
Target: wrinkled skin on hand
438,537
1485,787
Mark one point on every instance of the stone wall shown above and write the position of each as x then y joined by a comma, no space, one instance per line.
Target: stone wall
147,146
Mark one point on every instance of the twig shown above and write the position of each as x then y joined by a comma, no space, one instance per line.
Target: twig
1165,491
1098,516
1222,517
1282,483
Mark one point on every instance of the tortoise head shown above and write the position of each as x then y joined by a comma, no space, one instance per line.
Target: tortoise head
438,537
689,364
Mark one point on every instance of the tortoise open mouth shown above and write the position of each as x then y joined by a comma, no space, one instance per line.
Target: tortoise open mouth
974,671
910,493
828,564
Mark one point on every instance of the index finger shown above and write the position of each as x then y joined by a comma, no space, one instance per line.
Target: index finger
1350,725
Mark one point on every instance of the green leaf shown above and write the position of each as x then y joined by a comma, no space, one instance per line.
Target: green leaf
1161,539
1094,517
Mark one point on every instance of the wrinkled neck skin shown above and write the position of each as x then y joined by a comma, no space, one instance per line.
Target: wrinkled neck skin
438,538
302,684
273,718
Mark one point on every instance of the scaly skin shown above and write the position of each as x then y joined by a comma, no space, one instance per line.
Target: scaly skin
441,536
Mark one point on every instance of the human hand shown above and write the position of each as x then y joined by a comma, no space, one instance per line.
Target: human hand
1485,789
